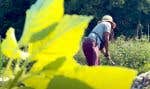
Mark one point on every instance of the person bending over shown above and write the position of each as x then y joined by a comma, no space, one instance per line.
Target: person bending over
98,41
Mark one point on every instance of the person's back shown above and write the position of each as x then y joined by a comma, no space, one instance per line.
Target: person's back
98,31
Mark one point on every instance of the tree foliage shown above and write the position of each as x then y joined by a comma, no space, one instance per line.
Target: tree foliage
12,14
126,13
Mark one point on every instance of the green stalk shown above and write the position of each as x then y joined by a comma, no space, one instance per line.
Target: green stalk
9,64
13,82
1,58
1,62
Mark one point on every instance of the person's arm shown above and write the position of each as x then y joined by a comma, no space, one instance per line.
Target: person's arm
106,43
103,51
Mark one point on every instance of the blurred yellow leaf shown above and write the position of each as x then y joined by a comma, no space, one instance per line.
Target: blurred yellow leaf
99,77
60,36
9,46
85,77
71,29
63,41
39,81
41,15
65,38
96,77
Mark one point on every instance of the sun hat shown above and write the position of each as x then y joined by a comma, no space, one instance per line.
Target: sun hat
110,19
107,18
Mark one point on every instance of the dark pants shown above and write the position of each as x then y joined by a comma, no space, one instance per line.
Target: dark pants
91,51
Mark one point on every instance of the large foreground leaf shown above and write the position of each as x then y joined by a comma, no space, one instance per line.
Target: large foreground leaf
39,81
100,77
41,15
84,77
64,40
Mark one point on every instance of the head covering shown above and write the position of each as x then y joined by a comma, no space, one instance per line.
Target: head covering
110,19
107,18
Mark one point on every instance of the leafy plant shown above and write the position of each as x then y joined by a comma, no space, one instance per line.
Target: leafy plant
51,39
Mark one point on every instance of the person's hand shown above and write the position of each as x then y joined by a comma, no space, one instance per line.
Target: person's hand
111,62
107,55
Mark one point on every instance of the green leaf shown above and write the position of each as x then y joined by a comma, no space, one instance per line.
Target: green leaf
54,65
42,34
62,82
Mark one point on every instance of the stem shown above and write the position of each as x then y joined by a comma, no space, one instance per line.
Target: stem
1,62
9,64
148,33
1,58
12,83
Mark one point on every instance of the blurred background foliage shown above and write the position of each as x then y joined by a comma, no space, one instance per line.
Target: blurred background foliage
130,15
12,14
131,53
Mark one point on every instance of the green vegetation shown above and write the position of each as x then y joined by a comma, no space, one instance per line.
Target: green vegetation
131,53
12,14
43,56
127,14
